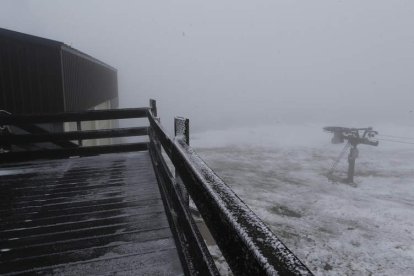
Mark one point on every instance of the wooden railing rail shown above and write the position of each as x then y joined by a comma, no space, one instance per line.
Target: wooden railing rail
248,245
90,115
36,134
73,135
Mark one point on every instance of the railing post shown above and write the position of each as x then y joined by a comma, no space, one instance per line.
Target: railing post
79,128
153,110
157,142
153,107
182,131
182,128
4,130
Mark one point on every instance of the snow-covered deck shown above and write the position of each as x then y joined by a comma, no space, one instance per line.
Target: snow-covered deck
81,216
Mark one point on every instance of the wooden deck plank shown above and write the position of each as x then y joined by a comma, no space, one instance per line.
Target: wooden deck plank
158,262
76,216
88,242
90,215
65,210
88,254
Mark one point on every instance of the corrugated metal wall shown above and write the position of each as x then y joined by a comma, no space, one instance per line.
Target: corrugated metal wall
86,81
30,75
39,75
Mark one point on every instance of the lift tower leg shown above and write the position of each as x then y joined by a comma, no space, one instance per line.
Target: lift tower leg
353,154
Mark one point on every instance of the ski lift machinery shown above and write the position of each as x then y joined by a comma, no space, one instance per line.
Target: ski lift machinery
354,137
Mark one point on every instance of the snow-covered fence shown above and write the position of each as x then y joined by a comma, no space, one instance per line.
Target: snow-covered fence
249,246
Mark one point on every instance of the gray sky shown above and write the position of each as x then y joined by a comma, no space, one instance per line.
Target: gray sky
238,62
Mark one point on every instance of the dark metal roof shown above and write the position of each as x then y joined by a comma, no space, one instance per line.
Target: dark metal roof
50,42
29,38
86,56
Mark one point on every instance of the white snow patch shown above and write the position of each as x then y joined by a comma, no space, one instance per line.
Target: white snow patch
334,228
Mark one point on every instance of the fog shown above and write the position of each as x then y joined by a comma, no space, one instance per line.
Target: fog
241,63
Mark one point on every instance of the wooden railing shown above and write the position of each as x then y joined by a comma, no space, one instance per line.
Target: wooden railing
62,139
248,245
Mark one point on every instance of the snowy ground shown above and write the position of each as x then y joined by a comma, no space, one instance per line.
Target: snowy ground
335,228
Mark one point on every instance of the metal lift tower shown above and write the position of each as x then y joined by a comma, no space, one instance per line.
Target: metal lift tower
354,137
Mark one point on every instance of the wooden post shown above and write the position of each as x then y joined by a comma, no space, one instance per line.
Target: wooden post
79,128
156,141
153,106
4,147
182,129
153,109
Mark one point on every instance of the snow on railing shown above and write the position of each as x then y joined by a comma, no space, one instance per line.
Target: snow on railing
249,246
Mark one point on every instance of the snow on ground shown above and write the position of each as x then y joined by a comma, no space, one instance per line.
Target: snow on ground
334,228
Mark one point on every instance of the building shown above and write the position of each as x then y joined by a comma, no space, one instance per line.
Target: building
39,75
